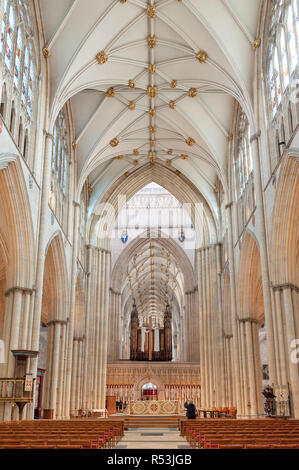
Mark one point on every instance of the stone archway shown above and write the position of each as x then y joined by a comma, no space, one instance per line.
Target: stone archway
149,378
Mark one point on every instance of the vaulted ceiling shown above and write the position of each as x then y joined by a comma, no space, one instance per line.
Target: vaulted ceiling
151,80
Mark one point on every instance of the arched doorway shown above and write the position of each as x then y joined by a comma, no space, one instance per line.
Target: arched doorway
149,391
149,382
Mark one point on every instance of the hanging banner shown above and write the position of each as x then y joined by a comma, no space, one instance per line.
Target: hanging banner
28,383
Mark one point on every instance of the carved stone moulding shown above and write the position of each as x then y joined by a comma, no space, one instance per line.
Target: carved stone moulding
152,91
101,57
152,68
46,52
110,92
190,141
256,44
192,92
152,129
152,112
131,84
151,11
184,156
132,105
152,41
119,157
136,152
171,104
202,56
173,84
169,151
114,142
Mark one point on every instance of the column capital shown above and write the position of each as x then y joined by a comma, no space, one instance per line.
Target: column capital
57,322
79,339
76,204
228,205
248,320
286,285
48,135
255,136
19,289
228,336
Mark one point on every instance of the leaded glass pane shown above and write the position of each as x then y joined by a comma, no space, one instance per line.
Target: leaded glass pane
272,84
284,60
18,58
292,39
3,27
54,149
10,37
277,76
25,76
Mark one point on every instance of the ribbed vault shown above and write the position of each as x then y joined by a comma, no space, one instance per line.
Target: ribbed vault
200,213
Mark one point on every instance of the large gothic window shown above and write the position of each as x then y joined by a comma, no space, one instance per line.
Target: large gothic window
60,151
283,48
17,48
244,155
60,198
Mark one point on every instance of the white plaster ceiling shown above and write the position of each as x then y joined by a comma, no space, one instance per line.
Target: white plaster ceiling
76,31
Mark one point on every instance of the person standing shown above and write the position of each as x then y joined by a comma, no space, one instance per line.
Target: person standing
190,407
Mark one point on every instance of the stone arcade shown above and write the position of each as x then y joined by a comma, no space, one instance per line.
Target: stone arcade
149,205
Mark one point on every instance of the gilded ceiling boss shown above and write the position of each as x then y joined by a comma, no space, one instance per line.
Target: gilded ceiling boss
149,225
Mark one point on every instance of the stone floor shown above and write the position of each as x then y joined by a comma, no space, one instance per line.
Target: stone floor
152,438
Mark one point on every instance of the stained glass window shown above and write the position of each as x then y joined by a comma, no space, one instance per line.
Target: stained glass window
284,60
10,37
244,157
283,48
60,151
17,48
3,26
25,76
292,38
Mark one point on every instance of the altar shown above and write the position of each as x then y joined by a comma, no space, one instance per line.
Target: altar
153,407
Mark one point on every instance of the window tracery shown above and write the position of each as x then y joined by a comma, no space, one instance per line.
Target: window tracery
283,49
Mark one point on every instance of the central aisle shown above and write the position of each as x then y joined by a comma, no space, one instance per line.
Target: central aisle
152,438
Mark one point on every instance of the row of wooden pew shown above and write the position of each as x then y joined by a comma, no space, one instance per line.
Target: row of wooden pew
241,434
47,434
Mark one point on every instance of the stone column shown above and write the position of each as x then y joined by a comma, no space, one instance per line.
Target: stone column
105,324
261,227
69,349
290,337
89,328
74,377
244,365
203,359
53,368
46,181
251,367
282,368
235,340
61,372
220,340
258,367
41,251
